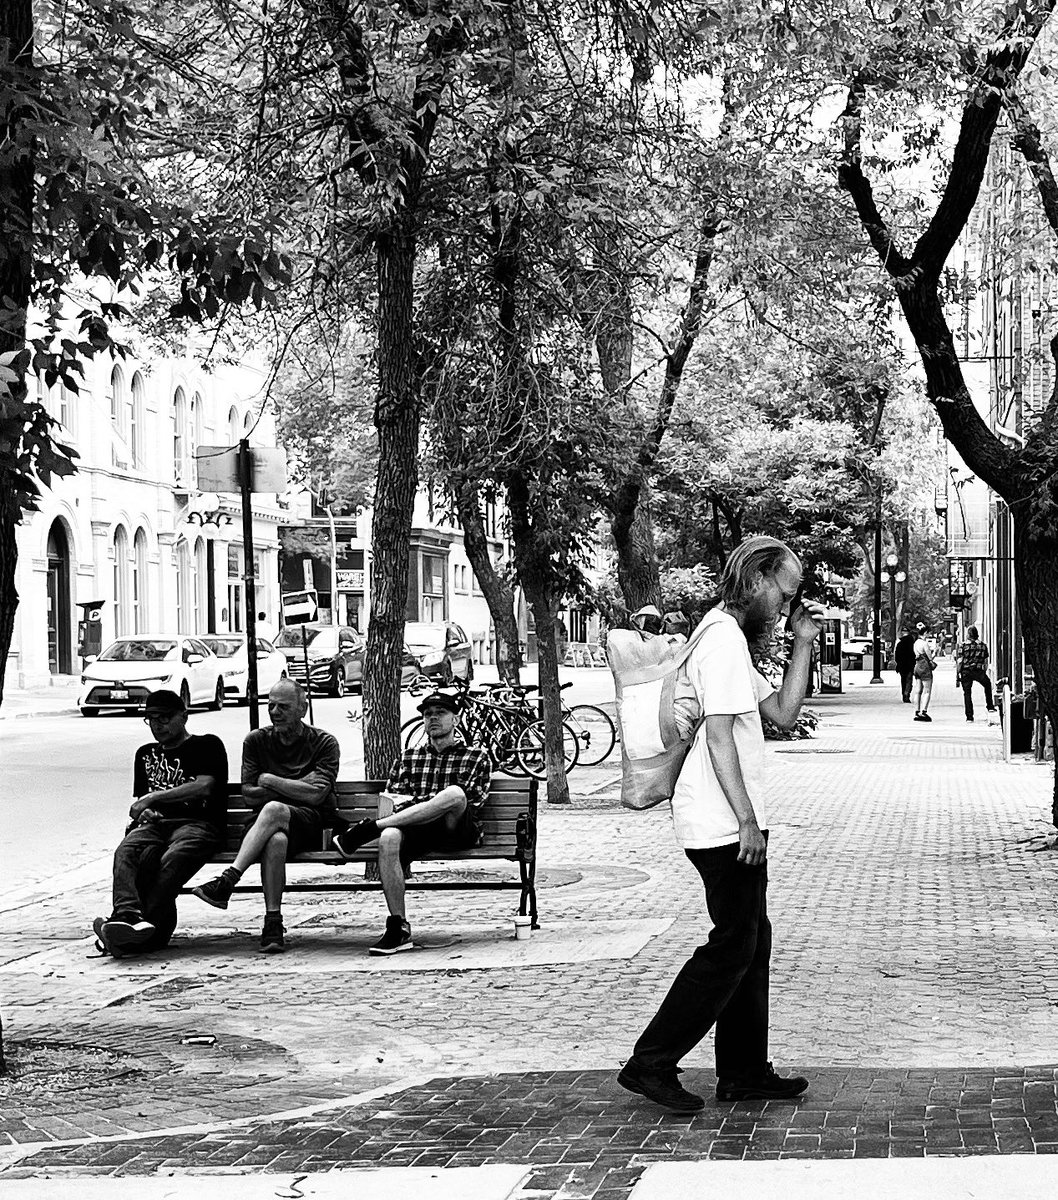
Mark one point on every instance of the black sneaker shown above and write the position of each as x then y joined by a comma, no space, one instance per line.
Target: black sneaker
396,938
218,891
272,934
663,1087
121,935
765,1086
355,837
97,929
925,717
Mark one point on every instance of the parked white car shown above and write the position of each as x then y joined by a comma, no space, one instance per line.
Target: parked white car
132,667
230,648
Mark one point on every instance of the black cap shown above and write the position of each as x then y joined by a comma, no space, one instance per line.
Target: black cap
164,701
439,700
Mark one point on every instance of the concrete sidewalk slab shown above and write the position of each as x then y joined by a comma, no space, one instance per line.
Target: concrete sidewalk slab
329,950
421,1183
1011,1177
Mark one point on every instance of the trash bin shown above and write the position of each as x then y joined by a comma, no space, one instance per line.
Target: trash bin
1020,726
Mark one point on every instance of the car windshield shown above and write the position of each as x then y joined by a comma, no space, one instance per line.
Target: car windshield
138,651
223,647
290,635
418,634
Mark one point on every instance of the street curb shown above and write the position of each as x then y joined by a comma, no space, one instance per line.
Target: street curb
47,712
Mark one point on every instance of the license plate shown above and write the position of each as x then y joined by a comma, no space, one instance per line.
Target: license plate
118,694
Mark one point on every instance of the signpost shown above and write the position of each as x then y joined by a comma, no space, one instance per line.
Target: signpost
299,608
244,469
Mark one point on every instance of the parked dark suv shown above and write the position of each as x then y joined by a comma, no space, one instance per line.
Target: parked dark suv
442,648
336,656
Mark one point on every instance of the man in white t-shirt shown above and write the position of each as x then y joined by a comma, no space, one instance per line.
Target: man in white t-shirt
720,815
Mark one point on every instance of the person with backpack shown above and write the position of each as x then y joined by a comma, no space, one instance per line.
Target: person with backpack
720,812
925,664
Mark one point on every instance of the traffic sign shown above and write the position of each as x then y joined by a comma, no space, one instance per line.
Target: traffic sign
298,607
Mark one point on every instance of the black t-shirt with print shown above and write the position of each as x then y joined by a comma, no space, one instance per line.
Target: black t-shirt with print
157,769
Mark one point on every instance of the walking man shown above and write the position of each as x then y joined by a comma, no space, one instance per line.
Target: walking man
972,667
720,813
288,775
178,816
904,654
438,791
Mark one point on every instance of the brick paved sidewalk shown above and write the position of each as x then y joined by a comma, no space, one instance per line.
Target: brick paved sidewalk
913,982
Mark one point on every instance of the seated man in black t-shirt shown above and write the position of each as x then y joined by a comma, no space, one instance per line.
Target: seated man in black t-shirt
288,775
178,819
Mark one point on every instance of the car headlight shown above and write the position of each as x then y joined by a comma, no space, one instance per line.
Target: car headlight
433,658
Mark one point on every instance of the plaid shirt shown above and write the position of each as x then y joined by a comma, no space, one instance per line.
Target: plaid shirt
973,656
423,772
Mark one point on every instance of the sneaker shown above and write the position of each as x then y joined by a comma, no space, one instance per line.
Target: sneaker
925,717
272,934
970,719
992,709
97,929
396,938
663,1087
121,936
765,1086
218,891
355,837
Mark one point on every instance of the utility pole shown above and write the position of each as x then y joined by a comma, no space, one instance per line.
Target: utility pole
878,587
248,578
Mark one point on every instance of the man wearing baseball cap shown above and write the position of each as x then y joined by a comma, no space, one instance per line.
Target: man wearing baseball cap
438,790
178,820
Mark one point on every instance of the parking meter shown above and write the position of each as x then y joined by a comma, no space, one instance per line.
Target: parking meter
90,628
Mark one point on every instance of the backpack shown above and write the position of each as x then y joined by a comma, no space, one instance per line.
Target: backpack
646,669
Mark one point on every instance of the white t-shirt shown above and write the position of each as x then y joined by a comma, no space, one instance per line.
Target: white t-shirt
726,682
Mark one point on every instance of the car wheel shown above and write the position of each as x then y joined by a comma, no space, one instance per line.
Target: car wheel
185,694
338,684
447,675
89,712
218,697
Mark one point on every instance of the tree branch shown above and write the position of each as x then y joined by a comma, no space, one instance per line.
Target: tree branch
1028,140
853,180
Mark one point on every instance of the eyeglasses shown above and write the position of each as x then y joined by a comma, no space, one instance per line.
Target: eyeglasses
160,718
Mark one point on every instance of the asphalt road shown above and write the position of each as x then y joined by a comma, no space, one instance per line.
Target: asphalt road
67,780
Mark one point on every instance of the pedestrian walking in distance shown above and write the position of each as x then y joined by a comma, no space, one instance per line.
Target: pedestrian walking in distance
925,663
972,667
904,654
720,814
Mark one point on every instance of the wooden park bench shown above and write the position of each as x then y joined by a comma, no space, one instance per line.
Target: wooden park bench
509,820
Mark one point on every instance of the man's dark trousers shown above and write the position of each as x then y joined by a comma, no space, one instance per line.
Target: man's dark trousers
907,681
153,862
969,678
724,982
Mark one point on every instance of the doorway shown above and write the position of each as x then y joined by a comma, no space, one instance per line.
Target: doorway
60,643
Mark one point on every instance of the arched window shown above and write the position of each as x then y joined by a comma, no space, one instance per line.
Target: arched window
118,400
233,425
137,430
247,424
180,447
198,421
201,582
140,602
122,583
184,604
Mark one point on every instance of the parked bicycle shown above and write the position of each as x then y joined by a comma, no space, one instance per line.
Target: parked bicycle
512,733
592,726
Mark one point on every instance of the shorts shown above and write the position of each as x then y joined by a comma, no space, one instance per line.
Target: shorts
435,837
306,830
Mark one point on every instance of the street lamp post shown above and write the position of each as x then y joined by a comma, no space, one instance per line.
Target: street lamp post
893,574
877,677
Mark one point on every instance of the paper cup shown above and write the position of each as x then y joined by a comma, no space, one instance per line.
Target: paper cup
522,927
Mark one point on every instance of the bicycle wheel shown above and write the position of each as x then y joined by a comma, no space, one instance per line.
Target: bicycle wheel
596,733
413,733
531,749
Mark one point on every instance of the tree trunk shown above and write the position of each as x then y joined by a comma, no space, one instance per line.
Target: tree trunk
547,650
397,422
16,276
499,595
637,562
1034,560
